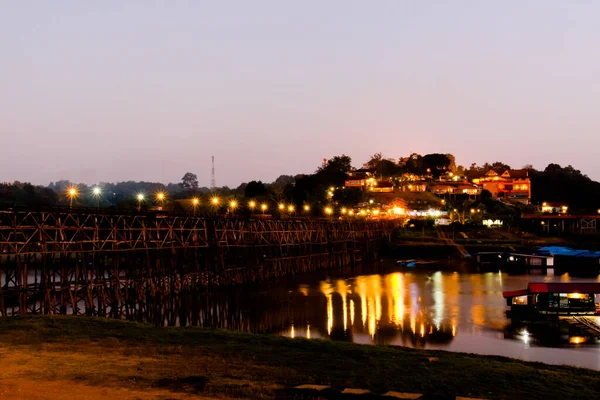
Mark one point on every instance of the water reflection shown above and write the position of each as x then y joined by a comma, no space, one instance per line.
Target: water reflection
450,311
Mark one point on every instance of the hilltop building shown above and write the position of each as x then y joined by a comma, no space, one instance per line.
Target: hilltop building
512,184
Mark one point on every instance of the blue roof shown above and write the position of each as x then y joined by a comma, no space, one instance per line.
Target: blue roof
567,251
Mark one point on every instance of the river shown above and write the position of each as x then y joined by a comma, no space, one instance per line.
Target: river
433,310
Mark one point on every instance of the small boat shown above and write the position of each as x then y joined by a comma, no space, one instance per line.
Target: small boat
407,263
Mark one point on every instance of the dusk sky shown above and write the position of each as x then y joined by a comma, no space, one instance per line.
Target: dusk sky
148,90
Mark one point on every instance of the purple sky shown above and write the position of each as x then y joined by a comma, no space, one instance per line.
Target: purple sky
103,91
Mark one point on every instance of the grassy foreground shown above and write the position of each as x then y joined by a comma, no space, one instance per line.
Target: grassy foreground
80,357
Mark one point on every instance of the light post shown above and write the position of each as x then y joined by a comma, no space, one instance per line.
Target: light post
328,211
252,205
232,206
263,208
291,209
96,191
215,203
160,197
195,202
72,193
140,198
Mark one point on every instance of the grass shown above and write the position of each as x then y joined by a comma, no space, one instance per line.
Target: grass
48,357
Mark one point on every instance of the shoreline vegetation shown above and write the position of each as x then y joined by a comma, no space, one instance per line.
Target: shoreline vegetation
43,357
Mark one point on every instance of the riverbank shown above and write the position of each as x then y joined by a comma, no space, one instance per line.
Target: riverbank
80,357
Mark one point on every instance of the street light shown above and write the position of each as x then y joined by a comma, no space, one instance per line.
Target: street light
252,205
263,207
232,205
328,210
140,198
343,210
160,196
281,206
291,208
96,191
215,201
307,208
72,192
195,202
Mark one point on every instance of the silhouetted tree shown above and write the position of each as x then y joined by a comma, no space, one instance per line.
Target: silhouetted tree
255,189
189,181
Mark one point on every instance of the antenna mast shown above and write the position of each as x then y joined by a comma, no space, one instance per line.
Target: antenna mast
213,182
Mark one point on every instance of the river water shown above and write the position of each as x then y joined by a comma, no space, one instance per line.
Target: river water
433,310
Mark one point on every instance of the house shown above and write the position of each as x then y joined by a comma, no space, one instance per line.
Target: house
362,178
382,187
456,188
512,184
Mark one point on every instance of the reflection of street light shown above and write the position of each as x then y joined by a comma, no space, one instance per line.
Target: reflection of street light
96,191
195,202
140,198
72,192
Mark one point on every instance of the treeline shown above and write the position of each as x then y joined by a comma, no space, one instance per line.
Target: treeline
553,184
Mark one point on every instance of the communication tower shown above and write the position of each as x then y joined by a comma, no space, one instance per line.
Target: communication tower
213,182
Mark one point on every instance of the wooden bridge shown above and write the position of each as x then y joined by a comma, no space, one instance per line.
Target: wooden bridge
70,261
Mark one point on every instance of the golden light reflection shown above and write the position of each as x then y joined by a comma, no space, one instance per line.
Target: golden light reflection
308,331
292,332
361,288
398,302
577,340
342,290
478,314
397,289
329,314
371,316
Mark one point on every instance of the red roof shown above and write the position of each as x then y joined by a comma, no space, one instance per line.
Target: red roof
518,173
515,293
555,287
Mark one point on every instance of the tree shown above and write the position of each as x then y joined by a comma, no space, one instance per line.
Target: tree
255,189
499,167
284,180
335,171
414,164
189,181
383,167
436,164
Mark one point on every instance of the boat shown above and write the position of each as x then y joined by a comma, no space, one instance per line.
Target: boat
553,299
413,263
407,263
